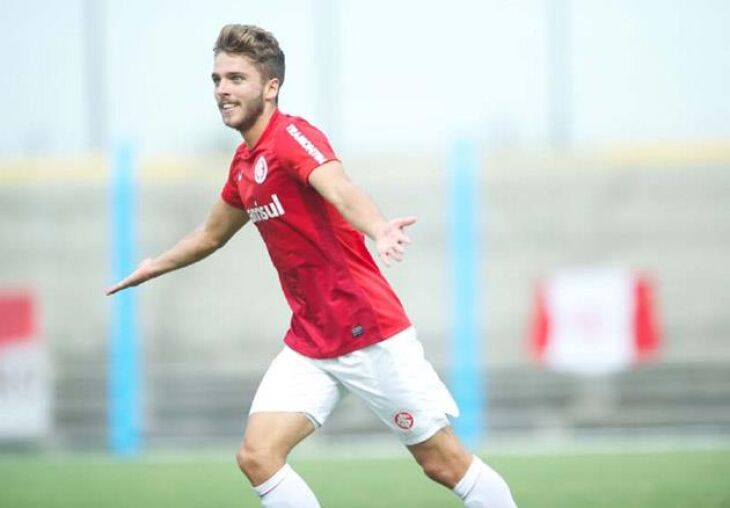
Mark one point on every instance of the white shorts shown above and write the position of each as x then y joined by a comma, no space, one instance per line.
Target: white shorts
392,377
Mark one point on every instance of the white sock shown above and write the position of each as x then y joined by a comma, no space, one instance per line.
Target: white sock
482,487
286,489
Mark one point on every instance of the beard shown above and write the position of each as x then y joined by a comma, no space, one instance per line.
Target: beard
252,110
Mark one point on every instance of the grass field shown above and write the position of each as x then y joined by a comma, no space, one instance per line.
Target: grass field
637,480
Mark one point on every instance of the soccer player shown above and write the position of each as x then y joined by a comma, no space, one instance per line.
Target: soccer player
348,330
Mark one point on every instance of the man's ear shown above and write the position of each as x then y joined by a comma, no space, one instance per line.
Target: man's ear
271,89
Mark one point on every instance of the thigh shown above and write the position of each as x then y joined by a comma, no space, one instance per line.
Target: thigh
276,433
397,382
294,384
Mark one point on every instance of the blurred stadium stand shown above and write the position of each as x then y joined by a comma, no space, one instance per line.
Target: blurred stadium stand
208,332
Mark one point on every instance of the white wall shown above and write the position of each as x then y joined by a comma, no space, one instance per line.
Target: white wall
411,75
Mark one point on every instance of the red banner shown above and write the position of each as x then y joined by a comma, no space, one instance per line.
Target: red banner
594,320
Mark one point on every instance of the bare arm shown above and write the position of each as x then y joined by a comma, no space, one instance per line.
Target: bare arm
359,210
222,223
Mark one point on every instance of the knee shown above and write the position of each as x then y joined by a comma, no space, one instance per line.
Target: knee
444,464
248,458
256,462
442,471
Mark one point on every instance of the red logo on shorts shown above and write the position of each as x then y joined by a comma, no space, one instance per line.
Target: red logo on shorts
403,420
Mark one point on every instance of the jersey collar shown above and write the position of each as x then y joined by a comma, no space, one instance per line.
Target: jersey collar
247,152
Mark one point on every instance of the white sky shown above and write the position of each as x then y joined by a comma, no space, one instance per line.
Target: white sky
411,75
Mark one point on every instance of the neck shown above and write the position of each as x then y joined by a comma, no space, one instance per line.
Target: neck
252,135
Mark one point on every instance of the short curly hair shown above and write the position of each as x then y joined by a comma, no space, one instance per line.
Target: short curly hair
255,43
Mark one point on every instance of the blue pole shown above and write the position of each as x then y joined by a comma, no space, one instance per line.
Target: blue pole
467,384
123,376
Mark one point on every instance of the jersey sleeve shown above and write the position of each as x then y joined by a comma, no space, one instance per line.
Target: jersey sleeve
303,149
229,193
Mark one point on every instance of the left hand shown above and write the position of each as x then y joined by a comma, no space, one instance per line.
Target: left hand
390,241
144,272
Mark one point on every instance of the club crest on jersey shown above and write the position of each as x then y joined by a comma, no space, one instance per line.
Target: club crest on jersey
260,169
265,212
404,420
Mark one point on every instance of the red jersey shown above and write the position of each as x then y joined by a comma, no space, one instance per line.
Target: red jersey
339,299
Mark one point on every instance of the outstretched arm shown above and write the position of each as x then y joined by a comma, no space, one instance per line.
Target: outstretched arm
222,223
359,210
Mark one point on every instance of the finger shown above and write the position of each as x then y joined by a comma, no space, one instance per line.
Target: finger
384,258
396,255
396,252
113,289
404,239
119,286
402,222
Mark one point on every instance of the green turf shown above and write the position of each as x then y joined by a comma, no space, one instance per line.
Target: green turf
666,480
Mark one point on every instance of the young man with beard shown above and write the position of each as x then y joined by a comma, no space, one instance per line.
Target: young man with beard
348,330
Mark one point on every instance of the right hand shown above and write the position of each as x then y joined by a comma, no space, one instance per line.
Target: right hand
391,240
144,272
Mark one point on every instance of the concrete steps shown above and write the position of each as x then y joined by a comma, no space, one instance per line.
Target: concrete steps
199,408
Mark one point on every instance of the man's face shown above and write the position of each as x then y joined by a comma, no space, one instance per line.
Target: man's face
239,90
